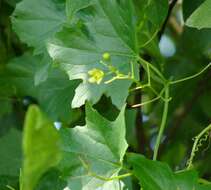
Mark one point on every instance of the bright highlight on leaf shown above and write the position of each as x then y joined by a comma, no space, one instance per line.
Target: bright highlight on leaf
40,147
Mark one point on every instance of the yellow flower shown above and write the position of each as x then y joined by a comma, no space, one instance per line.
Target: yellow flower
96,76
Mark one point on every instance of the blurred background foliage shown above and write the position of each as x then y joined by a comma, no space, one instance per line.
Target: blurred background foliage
178,51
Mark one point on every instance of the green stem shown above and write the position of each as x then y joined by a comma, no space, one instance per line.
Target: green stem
163,122
147,64
192,76
204,181
111,178
9,187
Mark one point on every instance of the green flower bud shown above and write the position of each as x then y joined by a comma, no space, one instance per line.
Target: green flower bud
106,56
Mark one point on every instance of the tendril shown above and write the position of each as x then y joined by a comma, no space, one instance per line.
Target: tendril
198,142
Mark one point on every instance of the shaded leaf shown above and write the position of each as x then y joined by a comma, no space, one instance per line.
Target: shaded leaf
10,153
54,94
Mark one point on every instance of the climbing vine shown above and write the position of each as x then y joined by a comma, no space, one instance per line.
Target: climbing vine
105,94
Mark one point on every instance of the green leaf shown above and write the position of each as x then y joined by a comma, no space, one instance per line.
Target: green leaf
37,21
201,16
10,153
203,187
73,6
94,151
186,180
6,106
157,175
189,6
101,27
152,174
8,180
40,147
51,181
54,94
19,75
151,15
43,69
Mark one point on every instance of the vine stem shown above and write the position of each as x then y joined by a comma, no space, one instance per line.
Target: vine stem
192,76
163,122
110,178
196,141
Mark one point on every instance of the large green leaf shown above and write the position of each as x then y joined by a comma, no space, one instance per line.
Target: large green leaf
73,6
10,153
51,181
103,26
203,187
40,147
157,175
186,180
18,76
96,149
151,174
54,94
189,6
36,21
151,15
201,17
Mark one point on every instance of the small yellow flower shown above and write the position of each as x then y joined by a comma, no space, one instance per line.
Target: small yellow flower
96,76
106,56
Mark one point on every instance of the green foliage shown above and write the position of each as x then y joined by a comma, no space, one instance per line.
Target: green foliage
10,156
37,21
96,96
80,48
94,152
40,152
201,17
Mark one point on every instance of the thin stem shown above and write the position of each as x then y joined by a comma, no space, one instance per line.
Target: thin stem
159,94
163,123
171,7
145,103
141,86
150,101
9,187
204,181
90,173
153,68
195,145
192,76
111,178
117,78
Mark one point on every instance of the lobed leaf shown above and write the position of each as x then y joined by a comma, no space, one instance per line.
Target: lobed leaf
103,26
93,152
